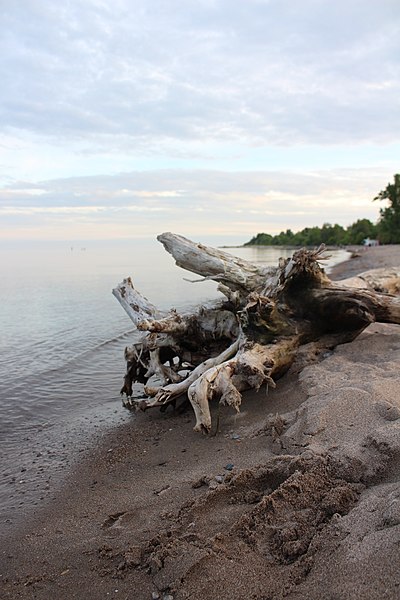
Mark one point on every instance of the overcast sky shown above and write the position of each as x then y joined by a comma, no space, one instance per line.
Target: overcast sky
224,117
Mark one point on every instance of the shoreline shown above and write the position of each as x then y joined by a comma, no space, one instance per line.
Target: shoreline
144,514
34,468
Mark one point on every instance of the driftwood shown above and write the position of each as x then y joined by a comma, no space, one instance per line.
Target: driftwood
250,338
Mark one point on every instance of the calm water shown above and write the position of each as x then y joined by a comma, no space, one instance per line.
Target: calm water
61,348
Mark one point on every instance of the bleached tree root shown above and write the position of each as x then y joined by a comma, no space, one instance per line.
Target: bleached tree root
172,391
252,337
249,369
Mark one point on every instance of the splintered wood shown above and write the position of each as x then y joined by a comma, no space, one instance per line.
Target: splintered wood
251,336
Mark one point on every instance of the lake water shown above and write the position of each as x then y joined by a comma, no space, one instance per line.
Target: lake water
62,340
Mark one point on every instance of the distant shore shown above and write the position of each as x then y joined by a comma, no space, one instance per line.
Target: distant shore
297,497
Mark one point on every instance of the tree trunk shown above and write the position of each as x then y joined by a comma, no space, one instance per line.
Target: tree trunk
252,337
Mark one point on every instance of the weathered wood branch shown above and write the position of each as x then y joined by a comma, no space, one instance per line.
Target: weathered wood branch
174,390
234,272
351,309
137,307
253,336
250,368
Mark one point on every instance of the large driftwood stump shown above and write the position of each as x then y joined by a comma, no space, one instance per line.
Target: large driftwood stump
252,336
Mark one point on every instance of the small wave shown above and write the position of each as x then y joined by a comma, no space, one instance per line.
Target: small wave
61,333
100,345
117,338
66,362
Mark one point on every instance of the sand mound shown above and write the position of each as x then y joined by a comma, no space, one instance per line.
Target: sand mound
258,523
310,513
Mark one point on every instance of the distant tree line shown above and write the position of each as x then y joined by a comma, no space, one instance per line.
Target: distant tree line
389,220
387,230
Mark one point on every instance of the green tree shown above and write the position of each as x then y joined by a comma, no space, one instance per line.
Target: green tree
360,230
261,239
389,222
332,235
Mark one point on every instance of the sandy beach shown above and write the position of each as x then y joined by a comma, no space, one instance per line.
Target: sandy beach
296,497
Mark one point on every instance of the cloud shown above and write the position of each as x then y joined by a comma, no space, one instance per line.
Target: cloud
195,203
49,210
250,72
125,119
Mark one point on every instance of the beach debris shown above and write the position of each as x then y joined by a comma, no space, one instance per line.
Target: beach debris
250,338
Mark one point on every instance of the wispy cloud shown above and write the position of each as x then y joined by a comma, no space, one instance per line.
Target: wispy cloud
206,106
274,72
192,202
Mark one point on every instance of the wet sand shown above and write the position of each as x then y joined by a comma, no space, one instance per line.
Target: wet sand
297,497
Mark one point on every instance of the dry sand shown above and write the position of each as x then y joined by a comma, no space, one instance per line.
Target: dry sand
297,497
